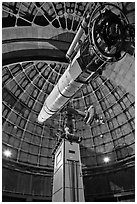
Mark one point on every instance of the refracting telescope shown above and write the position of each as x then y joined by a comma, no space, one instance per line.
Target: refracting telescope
105,25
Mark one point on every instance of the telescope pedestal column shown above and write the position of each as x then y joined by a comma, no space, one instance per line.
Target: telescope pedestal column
67,180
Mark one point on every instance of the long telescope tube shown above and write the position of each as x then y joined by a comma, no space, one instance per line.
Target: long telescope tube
79,70
66,86
63,91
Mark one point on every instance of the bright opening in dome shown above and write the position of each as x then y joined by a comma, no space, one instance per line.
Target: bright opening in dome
7,153
106,159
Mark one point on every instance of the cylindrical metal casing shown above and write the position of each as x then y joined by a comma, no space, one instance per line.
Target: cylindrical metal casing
62,92
77,38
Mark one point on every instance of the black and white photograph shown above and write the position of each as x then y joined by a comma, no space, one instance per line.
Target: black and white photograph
68,101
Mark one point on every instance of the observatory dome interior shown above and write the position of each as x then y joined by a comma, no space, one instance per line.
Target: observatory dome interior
35,39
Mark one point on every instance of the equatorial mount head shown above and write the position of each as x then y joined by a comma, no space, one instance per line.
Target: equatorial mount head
106,32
